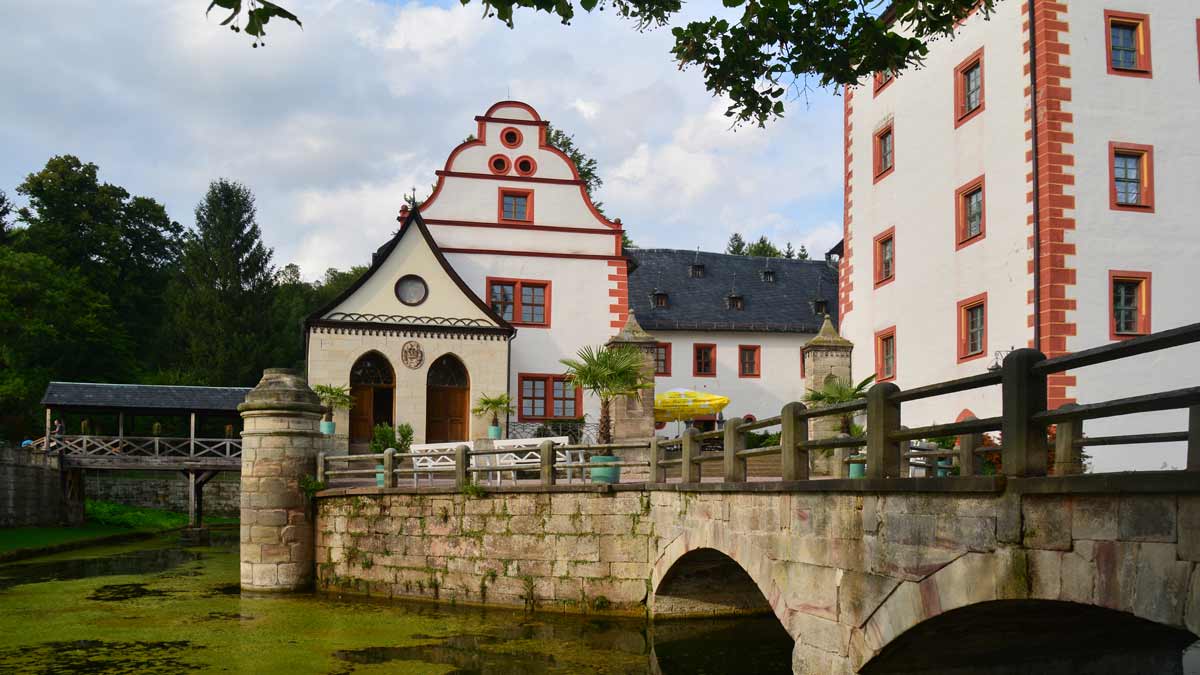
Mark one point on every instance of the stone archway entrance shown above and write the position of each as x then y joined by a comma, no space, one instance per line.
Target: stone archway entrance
447,401
373,386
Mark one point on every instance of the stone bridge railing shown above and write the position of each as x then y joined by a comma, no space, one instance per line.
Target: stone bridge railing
1023,426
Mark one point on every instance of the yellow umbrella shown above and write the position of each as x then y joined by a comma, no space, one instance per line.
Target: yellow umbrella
685,404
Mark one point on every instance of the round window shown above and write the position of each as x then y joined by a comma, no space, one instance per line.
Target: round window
411,290
526,166
510,137
499,164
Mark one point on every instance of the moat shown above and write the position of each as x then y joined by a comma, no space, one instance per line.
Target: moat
156,607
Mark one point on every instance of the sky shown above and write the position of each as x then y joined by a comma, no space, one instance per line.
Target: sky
331,125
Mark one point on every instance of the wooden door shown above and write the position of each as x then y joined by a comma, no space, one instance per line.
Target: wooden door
446,416
361,415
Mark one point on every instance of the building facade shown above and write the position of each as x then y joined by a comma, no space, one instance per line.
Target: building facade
508,267
973,227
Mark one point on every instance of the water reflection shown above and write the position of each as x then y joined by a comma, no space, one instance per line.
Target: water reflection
155,607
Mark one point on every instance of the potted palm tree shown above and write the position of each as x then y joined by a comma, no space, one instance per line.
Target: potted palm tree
495,406
836,391
607,374
333,398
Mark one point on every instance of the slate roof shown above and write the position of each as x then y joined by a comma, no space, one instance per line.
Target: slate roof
785,305
95,396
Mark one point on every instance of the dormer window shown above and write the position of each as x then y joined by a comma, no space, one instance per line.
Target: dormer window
659,299
735,302
696,271
820,307
768,276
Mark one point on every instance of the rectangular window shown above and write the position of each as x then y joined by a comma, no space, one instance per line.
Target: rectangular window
972,327
521,302
548,397
885,256
1131,181
749,361
704,360
885,152
968,88
1129,303
1128,40
662,359
970,213
885,355
516,205
883,79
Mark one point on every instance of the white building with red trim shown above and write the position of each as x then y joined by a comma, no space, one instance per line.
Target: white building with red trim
972,227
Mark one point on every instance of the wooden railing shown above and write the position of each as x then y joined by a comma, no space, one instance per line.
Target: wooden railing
144,446
1023,425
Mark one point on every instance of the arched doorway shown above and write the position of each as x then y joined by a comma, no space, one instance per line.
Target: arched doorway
447,401
373,386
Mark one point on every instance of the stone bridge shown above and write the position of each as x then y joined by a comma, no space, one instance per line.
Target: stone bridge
942,575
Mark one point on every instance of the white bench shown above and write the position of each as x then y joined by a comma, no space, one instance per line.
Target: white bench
524,456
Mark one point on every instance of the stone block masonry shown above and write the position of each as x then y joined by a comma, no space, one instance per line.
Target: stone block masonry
222,496
280,443
35,493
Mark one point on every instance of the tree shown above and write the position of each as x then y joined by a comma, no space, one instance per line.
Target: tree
789,252
803,254
6,211
763,249
736,245
53,325
607,374
837,391
226,282
125,246
257,12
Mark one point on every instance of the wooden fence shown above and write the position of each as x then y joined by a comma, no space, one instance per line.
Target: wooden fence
1023,426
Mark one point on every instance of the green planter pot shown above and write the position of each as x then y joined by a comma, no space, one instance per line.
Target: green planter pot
605,474
858,470
328,427
494,433
378,475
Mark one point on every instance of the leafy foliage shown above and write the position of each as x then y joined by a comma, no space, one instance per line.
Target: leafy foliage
493,406
383,436
607,374
837,390
334,398
773,49
257,13
736,245
762,248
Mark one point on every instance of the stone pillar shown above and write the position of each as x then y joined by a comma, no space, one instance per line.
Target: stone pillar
280,443
826,356
633,416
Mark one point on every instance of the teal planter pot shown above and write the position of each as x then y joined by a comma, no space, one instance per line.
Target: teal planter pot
378,475
858,470
605,474
494,433
943,462
328,427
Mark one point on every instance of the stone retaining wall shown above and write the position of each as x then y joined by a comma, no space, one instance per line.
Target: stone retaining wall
222,496
31,491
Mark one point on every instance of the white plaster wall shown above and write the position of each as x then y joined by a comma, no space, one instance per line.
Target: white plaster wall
412,256
332,355
513,239
764,396
579,314
933,159
1163,111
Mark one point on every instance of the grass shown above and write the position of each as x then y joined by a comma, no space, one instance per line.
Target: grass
104,519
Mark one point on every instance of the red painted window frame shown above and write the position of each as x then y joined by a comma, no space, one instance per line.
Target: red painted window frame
507,164
880,336
876,155
548,399
960,91
1147,153
961,335
1145,67
757,361
532,163
520,137
515,192
696,346
960,213
877,272
666,372
879,84
517,284
1144,308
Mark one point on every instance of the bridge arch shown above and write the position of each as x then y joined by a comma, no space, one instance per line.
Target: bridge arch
1031,635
